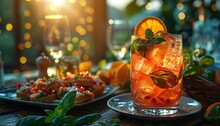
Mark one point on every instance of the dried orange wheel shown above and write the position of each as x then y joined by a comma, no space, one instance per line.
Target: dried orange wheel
153,23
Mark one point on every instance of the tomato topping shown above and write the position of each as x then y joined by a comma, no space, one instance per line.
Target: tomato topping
81,89
19,86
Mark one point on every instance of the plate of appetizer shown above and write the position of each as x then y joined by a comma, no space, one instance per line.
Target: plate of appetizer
46,92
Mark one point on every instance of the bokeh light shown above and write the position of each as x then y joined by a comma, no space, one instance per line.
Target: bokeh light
27,44
21,46
180,6
27,26
82,20
70,47
23,60
41,23
181,16
83,3
214,7
27,36
89,28
9,27
75,40
148,6
89,10
27,13
82,43
89,19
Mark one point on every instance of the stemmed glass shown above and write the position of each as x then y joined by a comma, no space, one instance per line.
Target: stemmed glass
56,36
118,37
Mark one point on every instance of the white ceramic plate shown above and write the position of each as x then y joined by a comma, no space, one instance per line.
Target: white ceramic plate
10,96
123,104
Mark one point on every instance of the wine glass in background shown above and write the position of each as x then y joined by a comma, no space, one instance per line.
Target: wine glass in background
56,36
118,37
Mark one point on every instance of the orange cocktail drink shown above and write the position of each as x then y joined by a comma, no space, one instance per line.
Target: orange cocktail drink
156,68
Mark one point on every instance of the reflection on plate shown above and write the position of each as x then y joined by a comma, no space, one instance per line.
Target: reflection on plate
123,104
10,96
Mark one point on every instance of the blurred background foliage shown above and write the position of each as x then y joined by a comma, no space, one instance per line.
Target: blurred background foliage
180,16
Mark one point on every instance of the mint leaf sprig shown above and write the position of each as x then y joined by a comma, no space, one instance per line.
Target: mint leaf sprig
142,45
151,38
197,62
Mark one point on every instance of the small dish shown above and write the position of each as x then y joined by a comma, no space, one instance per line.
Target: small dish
123,104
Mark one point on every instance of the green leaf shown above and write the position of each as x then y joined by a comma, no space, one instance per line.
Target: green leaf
86,120
67,102
116,120
198,53
158,40
149,34
192,69
187,56
64,105
206,61
31,120
69,118
49,112
57,121
164,79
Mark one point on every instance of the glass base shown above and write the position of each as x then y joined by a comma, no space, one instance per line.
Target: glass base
157,111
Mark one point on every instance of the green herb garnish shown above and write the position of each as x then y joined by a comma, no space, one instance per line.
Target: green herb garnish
142,45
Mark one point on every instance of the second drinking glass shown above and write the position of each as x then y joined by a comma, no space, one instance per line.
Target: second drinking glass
118,37
56,36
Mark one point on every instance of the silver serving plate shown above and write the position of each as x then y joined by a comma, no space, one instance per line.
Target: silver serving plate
123,104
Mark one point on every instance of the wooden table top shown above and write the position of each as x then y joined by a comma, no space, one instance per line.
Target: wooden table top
11,112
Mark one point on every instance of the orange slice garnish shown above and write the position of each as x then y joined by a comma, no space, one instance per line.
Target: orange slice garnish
153,23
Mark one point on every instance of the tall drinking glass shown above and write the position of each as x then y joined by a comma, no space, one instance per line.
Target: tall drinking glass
156,75
118,37
56,36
